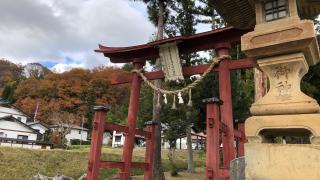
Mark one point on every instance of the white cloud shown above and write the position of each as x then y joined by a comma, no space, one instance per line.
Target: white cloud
62,67
60,30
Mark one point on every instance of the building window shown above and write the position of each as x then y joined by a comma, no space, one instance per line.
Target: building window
79,131
1,134
275,9
23,137
19,118
117,138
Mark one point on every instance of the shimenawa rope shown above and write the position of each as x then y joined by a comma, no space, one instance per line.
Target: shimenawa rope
215,62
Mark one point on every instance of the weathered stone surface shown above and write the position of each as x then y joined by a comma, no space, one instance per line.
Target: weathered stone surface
282,162
284,49
237,169
256,124
277,38
284,97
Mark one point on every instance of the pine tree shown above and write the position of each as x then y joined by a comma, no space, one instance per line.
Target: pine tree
184,23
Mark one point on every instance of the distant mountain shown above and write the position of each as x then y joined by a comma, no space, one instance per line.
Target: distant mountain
34,69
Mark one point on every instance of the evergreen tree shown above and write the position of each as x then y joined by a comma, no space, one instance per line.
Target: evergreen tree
158,15
8,91
90,102
184,23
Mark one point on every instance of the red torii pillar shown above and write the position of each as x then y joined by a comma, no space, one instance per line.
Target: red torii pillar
226,108
132,122
212,139
242,139
95,147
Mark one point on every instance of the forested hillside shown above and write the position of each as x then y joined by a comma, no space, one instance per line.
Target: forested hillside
74,92
10,73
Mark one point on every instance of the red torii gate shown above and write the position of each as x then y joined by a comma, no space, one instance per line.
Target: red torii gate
221,40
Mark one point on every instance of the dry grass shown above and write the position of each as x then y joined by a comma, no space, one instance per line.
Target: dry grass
23,164
198,175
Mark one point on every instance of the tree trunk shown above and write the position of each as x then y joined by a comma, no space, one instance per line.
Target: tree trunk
260,84
157,166
213,18
189,147
172,155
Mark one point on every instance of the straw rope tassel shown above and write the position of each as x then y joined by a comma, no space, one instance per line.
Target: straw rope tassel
190,99
180,99
174,102
165,100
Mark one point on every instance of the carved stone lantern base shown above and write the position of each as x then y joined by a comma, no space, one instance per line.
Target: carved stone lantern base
259,129
284,96
282,161
267,160
283,134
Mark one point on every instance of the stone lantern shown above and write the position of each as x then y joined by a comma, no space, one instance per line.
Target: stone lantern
284,47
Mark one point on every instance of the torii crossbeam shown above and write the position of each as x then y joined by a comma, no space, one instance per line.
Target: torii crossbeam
221,41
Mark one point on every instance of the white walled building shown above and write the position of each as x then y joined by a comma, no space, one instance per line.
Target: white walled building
106,137
14,133
198,141
14,130
117,139
76,132
39,126
10,127
6,109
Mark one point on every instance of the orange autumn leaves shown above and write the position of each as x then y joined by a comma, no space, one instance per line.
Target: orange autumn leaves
68,92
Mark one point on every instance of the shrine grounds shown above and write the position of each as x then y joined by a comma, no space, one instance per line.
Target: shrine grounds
23,164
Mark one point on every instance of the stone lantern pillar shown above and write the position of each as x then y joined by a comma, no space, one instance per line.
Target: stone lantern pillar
284,47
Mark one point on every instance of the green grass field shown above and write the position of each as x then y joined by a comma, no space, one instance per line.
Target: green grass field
23,164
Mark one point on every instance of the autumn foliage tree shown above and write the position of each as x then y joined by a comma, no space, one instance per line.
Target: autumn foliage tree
75,91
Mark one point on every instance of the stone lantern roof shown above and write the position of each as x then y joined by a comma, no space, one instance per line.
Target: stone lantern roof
241,13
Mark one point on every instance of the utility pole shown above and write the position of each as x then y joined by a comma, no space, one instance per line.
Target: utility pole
36,112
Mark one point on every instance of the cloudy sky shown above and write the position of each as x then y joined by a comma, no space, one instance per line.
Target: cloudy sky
62,34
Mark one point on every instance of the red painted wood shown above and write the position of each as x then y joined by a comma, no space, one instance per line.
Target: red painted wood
223,127
139,165
222,40
125,129
149,154
96,144
242,140
111,164
224,173
212,141
132,122
116,127
120,165
238,133
187,71
226,108
242,64
143,133
187,44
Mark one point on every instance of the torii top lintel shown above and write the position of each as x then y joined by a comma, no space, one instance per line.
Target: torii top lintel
186,44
